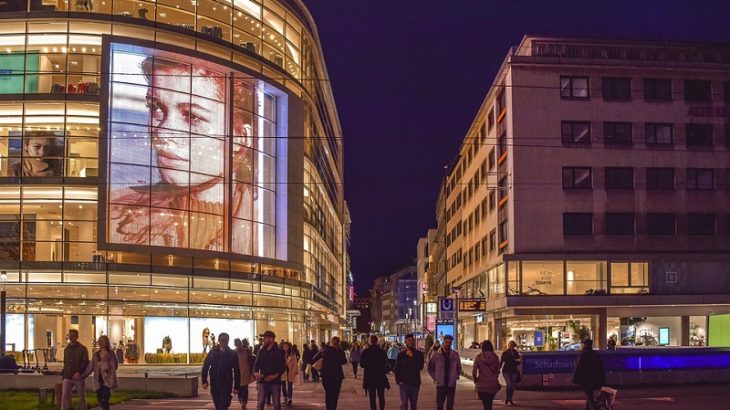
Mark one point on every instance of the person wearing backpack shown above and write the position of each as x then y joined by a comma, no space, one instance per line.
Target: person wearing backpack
485,374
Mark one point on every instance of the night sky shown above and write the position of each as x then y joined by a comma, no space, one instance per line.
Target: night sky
409,76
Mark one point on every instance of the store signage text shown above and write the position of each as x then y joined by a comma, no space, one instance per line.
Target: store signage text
709,111
472,305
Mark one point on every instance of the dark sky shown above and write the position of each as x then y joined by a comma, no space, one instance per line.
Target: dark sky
409,76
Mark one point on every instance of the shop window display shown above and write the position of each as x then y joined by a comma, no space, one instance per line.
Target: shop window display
542,278
586,278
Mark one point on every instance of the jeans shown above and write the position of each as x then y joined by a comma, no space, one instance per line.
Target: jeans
332,393
354,368
69,384
408,394
287,389
445,394
102,396
380,393
315,374
487,399
272,390
590,398
510,380
221,399
243,395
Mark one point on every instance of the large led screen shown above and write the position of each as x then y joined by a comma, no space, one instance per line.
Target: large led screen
192,152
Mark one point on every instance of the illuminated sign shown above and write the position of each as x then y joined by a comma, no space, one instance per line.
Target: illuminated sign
447,305
663,336
472,305
192,154
431,322
431,307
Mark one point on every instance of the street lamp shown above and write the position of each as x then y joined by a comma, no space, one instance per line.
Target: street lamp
457,291
3,294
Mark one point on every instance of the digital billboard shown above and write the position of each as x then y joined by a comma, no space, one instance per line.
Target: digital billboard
191,153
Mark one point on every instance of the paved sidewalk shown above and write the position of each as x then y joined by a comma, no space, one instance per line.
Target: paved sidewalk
310,396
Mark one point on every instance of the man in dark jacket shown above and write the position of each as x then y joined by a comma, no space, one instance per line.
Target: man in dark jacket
333,358
589,373
408,368
270,365
225,375
75,362
375,380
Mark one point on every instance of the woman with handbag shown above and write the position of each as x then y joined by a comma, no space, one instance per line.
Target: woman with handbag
291,373
104,366
330,361
485,374
509,363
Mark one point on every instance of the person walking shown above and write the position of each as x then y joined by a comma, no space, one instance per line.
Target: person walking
290,374
269,367
75,363
375,379
246,360
485,374
509,363
392,356
104,366
355,354
333,358
119,352
306,362
408,368
445,369
315,350
589,373
436,346
225,374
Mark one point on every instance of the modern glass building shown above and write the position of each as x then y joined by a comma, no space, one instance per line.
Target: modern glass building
168,169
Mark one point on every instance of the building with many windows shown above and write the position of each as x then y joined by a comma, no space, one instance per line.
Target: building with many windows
591,196
168,170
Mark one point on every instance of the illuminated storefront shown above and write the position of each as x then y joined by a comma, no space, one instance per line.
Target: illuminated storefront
168,171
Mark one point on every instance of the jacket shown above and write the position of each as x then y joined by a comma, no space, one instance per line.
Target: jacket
485,372
332,360
270,362
393,353
589,372
223,368
105,370
408,368
75,359
292,371
375,363
509,361
355,355
437,366
246,360
307,356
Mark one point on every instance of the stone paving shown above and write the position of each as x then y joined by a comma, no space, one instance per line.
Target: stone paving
310,396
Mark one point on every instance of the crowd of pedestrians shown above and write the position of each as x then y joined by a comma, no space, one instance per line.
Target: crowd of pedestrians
276,367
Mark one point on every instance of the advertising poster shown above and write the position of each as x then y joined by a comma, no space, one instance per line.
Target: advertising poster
191,154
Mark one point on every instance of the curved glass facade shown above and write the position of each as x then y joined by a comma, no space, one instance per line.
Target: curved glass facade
164,166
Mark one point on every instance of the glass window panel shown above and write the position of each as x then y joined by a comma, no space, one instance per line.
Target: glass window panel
84,277
170,280
265,171
585,277
242,237
44,277
206,231
169,228
639,275
264,207
130,184
210,283
619,274
542,278
79,211
129,278
79,231
91,28
267,144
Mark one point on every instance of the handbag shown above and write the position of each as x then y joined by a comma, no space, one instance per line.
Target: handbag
318,364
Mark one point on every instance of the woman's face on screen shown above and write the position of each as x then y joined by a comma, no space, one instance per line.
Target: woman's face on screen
188,129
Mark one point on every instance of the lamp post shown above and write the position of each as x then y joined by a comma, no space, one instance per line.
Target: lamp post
3,295
456,290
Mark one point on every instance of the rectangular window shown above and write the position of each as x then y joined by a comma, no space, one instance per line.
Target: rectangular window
583,277
657,89
503,188
629,277
577,178
503,231
543,278
492,200
660,178
574,87
492,159
699,134
659,134
575,132
502,100
661,224
490,119
700,179
577,223
502,144
619,224
619,178
697,90
616,88
492,240
701,224
617,133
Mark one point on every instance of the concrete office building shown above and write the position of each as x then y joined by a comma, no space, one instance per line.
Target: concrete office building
125,212
591,196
